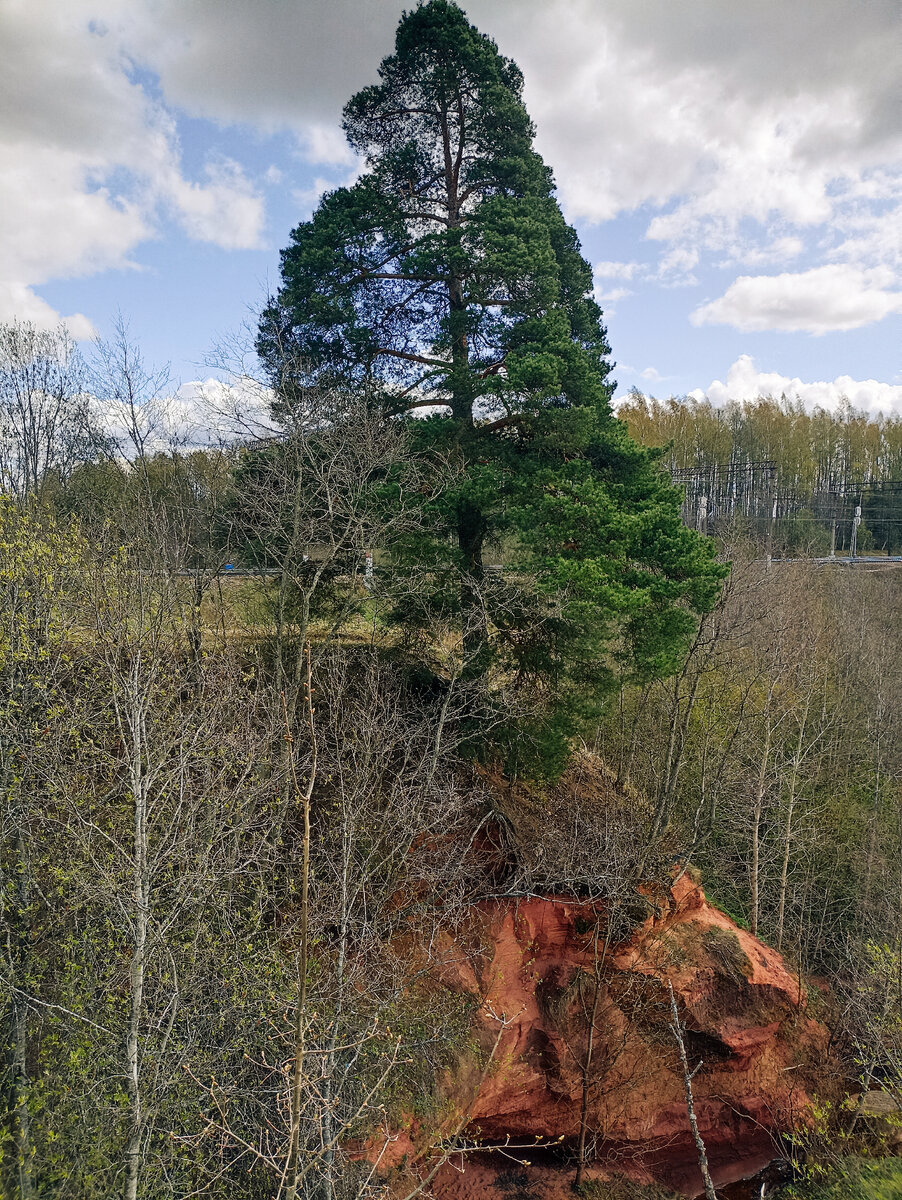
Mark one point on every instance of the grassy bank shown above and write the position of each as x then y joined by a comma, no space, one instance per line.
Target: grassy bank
857,1179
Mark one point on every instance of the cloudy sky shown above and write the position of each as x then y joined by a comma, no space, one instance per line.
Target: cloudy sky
733,167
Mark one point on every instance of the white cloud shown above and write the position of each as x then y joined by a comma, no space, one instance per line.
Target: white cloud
89,159
744,131
225,211
215,412
615,270
779,251
605,272
676,266
208,412
308,198
743,110
747,127
719,111
872,237
18,302
745,382
823,300
326,145
610,297
268,63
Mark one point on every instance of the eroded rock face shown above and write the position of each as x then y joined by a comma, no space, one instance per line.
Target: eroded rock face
538,970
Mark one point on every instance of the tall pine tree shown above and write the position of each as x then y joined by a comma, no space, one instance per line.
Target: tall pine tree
447,278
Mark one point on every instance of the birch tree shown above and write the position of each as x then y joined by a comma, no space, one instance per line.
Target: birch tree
46,420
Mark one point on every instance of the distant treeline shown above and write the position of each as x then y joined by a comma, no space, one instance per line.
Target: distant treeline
792,476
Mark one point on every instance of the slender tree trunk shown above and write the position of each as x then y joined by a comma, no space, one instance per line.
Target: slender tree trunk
292,1166
784,865
328,1090
584,1099
20,1086
787,826
621,731
757,813
138,964
471,523
676,761
677,1031
23,710
195,631
292,559
331,1061
586,1069
19,1005
635,725
18,937
872,831
676,741
756,853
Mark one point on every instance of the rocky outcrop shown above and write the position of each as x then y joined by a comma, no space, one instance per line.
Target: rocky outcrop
543,972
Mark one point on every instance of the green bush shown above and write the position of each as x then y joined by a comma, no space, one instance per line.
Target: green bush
855,1179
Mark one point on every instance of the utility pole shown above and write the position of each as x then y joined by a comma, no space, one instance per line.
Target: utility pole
856,521
770,533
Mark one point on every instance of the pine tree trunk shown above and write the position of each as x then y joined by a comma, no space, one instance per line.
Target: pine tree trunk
474,630
471,523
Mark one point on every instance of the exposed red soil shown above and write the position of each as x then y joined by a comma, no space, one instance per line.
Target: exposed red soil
532,967
533,977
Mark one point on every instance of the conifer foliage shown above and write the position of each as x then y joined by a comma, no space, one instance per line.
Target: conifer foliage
446,278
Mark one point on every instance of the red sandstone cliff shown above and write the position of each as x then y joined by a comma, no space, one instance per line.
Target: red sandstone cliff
532,967
537,969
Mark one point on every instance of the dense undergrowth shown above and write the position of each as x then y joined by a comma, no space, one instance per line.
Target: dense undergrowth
855,1179
162,744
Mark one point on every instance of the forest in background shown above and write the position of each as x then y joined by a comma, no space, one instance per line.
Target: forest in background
794,477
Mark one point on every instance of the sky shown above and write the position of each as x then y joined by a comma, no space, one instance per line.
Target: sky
733,169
